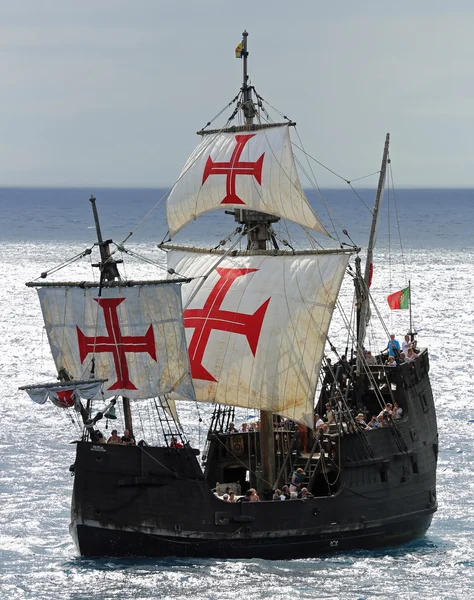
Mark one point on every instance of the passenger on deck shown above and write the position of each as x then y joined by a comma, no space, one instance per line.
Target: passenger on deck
369,359
244,428
402,358
114,438
98,438
285,493
175,443
232,497
253,427
361,424
232,429
393,346
127,439
414,347
303,438
397,412
305,494
254,497
346,369
318,422
329,413
276,495
225,497
373,424
406,344
293,495
391,362
411,355
247,496
297,480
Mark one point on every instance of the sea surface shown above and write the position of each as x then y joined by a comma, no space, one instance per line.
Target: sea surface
41,228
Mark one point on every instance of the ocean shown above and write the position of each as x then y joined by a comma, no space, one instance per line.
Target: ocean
41,228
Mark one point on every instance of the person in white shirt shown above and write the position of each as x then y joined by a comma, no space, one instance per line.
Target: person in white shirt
406,344
318,422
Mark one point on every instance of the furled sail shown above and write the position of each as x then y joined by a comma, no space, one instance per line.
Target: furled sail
250,169
134,333
257,325
63,395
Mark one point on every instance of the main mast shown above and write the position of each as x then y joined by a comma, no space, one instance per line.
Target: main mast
258,227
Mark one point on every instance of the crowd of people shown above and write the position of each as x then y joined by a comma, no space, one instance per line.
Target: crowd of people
397,354
244,428
125,440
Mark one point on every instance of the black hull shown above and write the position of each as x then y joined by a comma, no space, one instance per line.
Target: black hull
148,501
96,541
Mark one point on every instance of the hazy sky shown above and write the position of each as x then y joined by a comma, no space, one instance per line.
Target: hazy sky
111,92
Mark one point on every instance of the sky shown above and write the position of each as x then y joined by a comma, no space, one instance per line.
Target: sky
111,92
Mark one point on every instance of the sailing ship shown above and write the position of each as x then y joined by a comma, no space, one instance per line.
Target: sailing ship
243,326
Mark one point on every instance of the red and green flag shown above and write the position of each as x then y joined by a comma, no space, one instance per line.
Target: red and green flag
399,300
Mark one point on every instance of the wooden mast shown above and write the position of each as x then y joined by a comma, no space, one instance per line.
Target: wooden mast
109,272
258,228
364,312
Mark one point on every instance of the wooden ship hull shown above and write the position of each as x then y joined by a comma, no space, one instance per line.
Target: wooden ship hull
375,488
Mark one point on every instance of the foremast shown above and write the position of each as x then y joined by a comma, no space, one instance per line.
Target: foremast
109,272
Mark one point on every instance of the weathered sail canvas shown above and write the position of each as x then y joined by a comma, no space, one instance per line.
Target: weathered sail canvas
254,170
135,334
257,326
62,395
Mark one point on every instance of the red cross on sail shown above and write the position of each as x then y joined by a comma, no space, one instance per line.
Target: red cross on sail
116,343
234,167
211,317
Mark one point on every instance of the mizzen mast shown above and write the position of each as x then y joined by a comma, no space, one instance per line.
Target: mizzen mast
363,288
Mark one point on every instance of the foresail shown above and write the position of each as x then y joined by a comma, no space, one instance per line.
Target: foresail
253,170
257,326
135,336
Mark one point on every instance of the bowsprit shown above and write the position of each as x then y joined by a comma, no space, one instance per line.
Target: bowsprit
211,317
234,167
116,343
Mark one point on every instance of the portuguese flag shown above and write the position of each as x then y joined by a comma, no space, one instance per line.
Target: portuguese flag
399,300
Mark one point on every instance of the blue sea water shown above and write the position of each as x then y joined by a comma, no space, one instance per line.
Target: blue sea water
39,228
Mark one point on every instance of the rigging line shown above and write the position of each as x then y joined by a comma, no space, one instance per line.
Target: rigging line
316,185
148,260
389,255
224,109
191,161
321,164
299,191
66,263
398,221
360,198
365,366
365,176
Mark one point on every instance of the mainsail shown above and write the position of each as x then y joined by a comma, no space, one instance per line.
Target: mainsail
134,333
252,169
257,325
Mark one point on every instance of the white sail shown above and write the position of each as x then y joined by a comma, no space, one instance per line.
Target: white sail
257,326
135,335
250,169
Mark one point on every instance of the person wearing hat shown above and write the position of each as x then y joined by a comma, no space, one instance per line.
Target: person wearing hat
360,421
297,480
